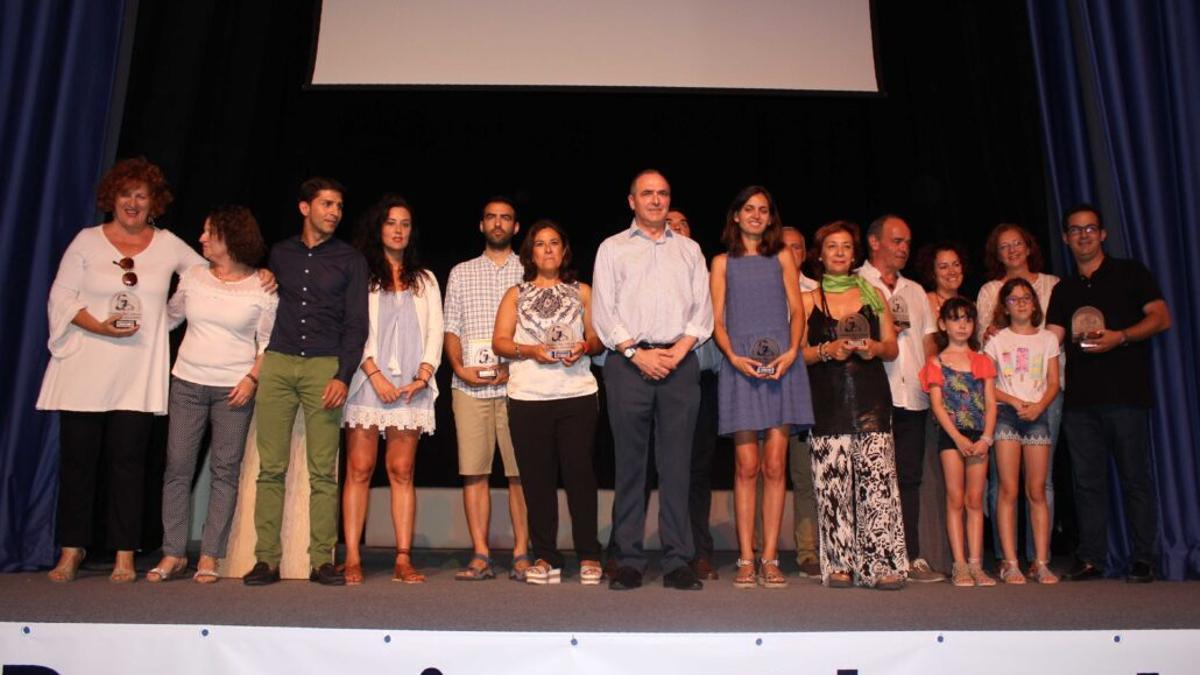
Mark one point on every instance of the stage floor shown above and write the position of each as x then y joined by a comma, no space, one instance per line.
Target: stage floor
443,604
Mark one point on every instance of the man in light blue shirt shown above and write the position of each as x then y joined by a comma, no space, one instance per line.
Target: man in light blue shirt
651,307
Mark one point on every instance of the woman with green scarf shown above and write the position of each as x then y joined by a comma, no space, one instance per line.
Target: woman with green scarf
850,334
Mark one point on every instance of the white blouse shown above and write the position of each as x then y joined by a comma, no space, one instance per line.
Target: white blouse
229,325
89,372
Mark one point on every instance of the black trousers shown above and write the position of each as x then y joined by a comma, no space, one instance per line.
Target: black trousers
704,444
908,430
549,437
669,407
102,445
1097,435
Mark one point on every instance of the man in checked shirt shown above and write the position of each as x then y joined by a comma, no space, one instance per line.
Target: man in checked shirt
478,390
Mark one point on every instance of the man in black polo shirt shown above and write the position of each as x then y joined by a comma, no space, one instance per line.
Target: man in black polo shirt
317,342
1108,395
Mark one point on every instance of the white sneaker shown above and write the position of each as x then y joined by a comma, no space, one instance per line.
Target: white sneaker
541,573
920,572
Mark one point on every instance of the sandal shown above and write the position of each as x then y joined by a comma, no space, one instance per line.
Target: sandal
1010,572
889,582
353,573
1040,572
769,574
981,577
590,573
744,576
166,572
474,573
404,572
518,571
206,577
542,573
839,579
960,575
121,574
63,573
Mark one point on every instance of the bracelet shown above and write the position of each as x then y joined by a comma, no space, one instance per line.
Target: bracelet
373,373
518,350
252,378
422,380
1124,338
821,352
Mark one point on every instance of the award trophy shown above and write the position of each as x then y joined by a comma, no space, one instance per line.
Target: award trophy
560,340
765,350
854,329
127,307
480,354
1086,324
899,312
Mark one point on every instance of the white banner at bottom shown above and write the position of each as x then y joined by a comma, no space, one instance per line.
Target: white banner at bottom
71,649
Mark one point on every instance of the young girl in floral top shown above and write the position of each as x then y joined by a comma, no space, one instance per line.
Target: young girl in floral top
961,386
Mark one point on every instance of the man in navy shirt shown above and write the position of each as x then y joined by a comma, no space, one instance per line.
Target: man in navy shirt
317,342
1108,393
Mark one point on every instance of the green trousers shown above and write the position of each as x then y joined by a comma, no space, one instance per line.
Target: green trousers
285,384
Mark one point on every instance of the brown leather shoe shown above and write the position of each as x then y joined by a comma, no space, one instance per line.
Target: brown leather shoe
704,569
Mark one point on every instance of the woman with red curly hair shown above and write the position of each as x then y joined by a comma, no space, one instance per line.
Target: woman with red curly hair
107,374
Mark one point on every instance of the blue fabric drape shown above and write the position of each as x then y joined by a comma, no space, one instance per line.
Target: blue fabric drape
57,61
1119,86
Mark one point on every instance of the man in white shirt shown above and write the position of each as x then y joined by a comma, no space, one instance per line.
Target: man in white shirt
478,390
889,240
651,307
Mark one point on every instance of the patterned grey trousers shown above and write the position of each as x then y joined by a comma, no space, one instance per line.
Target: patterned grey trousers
192,407
858,507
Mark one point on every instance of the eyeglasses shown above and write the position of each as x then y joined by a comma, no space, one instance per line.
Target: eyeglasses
1019,300
1076,230
129,278
1012,246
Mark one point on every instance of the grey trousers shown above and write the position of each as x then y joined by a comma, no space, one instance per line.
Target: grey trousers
669,406
192,407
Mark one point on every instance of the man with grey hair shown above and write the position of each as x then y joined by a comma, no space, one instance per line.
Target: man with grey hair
889,240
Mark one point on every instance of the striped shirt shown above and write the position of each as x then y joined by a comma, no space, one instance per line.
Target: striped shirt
473,295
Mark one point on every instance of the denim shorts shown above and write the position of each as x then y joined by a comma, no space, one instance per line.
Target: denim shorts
1009,427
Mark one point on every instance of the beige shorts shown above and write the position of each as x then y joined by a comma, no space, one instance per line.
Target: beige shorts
481,423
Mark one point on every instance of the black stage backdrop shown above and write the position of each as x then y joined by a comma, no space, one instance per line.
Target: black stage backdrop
217,96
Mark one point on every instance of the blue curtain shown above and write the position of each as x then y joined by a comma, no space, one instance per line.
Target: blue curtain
1119,87
57,64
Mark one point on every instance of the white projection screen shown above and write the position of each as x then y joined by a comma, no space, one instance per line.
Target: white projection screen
788,45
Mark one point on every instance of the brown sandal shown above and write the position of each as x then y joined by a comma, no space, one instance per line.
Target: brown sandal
404,571
744,577
769,574
353,574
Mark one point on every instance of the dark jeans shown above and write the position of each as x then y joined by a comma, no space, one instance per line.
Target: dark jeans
669,406
549,436
112,445
1094,434
908,430
704,443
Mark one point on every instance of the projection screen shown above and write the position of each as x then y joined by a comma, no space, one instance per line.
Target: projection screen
791,45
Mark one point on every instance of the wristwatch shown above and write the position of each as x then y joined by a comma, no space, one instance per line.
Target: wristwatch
629,351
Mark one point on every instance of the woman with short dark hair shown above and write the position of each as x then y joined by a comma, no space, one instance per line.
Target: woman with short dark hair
850,334
229,318
544,325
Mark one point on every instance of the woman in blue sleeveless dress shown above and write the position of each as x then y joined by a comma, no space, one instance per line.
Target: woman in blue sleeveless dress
759,325
392,392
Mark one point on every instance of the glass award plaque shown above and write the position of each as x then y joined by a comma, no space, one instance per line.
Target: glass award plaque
854,329
479,354
899,309
765,350
127,307
1086,324
560,340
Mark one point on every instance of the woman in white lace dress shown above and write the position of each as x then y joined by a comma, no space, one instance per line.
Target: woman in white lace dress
392,393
